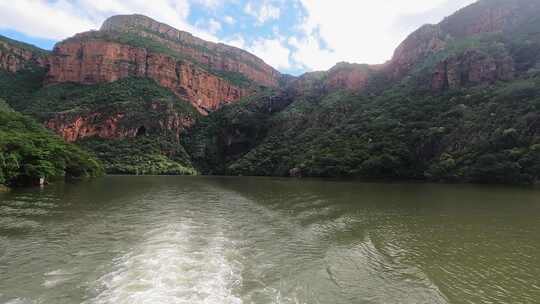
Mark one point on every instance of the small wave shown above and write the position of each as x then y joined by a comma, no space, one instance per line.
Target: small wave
174,265
6,211
57,277
16,224
20,301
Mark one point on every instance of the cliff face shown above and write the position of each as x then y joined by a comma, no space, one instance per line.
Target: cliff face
215,55
461,46
114,124
14,56
343,76
423,42
472,67
348,76
204,73
95,61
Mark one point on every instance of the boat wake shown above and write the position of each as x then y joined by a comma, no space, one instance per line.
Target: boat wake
175,263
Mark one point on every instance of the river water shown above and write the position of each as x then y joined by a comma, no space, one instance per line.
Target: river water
260,240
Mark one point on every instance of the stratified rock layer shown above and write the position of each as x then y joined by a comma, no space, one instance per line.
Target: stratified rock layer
201,72
96,61
217,56
118,124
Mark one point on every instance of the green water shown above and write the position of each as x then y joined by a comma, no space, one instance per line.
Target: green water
245,240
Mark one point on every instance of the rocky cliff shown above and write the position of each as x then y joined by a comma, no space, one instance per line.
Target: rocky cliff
217,56
208,75
118,124
343,76
471,47
15,56
88,61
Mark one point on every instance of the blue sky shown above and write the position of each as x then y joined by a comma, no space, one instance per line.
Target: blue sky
294,36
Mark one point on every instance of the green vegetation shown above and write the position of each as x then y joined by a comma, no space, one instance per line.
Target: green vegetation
132,96
224,135
4,106
28,152
17,88
141,104
481,134
141,156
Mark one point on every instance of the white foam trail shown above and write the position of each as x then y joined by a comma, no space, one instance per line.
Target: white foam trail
174,266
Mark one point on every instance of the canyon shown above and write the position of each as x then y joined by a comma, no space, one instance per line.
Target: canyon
229,109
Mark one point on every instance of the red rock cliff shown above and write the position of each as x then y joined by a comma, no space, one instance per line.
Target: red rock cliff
465,42
89,61
217,56
104,123
204,73
14,58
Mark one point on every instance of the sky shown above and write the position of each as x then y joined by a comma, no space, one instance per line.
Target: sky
294,36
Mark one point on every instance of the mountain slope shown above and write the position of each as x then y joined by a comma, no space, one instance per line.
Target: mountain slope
206,74
460,101
132,124
29,152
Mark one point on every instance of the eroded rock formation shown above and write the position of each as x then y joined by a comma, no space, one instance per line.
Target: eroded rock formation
95,61
14,58
119,124
217,56
204,73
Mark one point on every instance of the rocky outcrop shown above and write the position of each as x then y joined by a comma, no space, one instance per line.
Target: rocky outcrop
343,76
468,48
427,40
90,61
206,74
471,68
348,76
489,16
15,57
217,56
118,124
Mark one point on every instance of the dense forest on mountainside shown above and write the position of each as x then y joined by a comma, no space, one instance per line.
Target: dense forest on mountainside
29,152
141,102
481,134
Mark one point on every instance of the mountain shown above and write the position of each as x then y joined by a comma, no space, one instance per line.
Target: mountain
458,101
206,74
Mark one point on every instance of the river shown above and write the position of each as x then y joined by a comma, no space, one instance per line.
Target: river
168,240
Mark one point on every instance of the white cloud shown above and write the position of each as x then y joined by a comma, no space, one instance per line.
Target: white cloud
54,20
273,51
361,31
212,4
229,20
214,26
63,18
263,11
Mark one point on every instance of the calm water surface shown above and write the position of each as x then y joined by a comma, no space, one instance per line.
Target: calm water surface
245,240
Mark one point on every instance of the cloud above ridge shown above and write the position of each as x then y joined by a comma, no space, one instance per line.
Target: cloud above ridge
294,36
